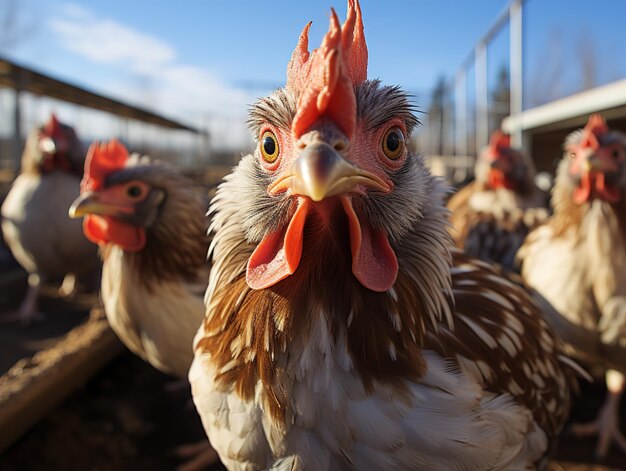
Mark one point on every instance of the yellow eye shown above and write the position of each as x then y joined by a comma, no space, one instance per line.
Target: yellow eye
269,147
393,143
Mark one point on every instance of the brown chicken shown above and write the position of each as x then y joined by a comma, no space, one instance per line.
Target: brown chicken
45,241
149,221
492,215
341,333
577,262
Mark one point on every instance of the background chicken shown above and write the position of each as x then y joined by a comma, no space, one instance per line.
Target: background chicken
340,332
35,224
492,215
150,223
577,261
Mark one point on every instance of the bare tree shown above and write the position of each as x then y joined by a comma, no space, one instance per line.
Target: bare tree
436,113
500,99
545,83
588,61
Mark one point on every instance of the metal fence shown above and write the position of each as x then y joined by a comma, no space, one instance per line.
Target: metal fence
534,53
181,147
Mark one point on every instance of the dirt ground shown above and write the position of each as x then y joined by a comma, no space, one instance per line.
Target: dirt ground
577,454
129,417
17,341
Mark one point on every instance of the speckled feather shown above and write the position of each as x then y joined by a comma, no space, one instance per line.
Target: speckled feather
491,224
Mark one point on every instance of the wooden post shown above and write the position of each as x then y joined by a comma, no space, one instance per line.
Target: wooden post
517,63
17,121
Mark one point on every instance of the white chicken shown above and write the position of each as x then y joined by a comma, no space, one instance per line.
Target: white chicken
577,262
45,241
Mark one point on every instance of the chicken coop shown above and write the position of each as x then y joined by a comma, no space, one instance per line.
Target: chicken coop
27,98
533,79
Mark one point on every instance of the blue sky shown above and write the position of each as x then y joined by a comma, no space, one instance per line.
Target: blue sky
410,41
243,42
206,60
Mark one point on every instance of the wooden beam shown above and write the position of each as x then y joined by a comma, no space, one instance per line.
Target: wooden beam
41,84
34,386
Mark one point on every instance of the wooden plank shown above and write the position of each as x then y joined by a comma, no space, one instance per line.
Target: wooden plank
36,385
42,84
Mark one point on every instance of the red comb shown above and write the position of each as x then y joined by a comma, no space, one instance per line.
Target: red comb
593,130
102,160
52,127
499,141
325,78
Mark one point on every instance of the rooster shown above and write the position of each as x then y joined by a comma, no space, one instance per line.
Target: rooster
149,222
341,331
41,236
492,216
577,262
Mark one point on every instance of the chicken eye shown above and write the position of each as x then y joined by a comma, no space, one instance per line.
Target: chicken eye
269,147
616,154
393,143
134,191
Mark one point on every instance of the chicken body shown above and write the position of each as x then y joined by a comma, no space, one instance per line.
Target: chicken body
492,215
341,333
577,259
154,251
41,236
490,392
156,322
583,276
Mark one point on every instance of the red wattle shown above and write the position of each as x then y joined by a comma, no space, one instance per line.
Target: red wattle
104,229
610,194
582,192
277,256
497,179
374,263
594,184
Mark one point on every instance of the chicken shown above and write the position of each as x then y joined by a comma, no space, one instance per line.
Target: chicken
577,261
492,215
341,332
149,221
41,236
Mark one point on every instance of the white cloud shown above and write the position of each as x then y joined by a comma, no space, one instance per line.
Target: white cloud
110,42
162,82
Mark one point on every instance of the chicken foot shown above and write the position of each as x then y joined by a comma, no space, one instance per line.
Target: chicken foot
606,425
200,456
28,310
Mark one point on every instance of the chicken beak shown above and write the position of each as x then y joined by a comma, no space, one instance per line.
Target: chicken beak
320,172
96,203
47,145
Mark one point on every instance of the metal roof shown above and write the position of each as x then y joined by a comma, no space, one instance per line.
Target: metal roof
24,79
572,111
